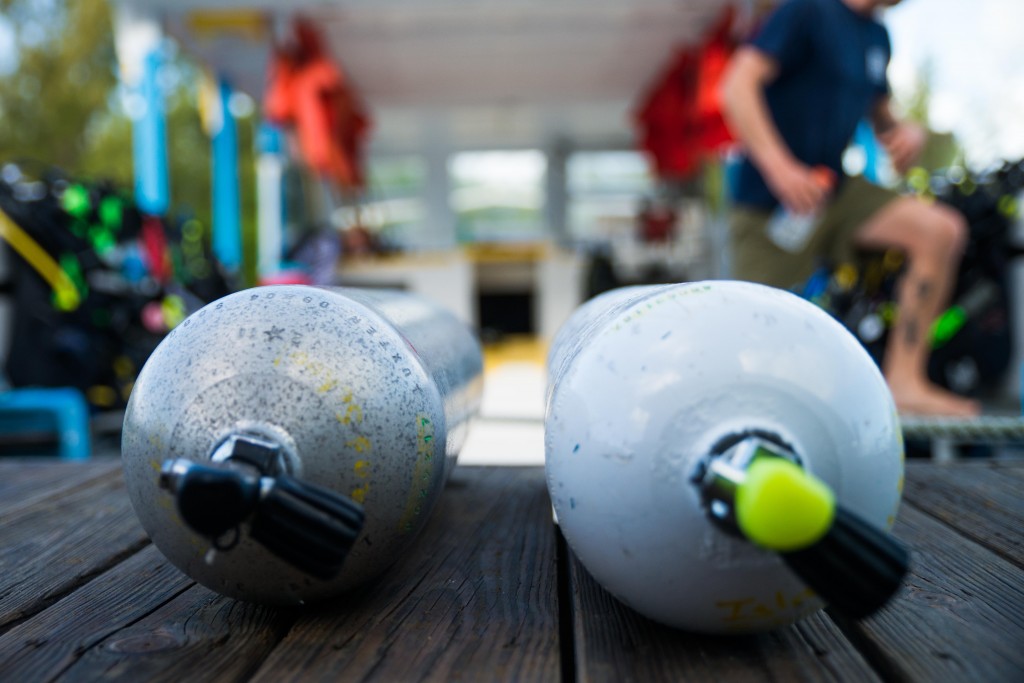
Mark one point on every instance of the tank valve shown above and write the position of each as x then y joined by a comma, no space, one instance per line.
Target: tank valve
308,526
757,489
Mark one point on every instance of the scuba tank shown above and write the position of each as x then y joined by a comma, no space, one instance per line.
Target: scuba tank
723,456
286,443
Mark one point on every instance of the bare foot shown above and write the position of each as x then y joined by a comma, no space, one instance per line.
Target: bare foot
931,400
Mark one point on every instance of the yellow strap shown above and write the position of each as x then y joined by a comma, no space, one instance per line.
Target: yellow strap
67,297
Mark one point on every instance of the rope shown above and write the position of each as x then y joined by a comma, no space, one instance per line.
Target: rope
976,429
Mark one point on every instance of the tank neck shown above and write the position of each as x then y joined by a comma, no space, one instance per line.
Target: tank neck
265,454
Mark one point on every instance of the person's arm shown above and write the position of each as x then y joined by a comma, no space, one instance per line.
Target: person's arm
746,110
903,140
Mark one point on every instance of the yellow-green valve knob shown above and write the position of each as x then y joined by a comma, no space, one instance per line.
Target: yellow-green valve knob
756,488
782,507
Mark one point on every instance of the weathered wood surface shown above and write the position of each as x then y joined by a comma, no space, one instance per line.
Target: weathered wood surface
984,503
60,541
489,593
960,616
24,481
475,600
614,643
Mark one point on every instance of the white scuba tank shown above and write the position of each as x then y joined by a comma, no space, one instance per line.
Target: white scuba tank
286,443
659,399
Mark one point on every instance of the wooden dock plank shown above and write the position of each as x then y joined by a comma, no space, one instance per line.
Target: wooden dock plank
960,615
1011,467
60,541
45,645
198,635
614,643
475,600
25,481
981,502
84,597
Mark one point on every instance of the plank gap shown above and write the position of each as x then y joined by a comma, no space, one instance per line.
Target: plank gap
43,480
966,534
47,601
981,503
958,615
883,665
566,630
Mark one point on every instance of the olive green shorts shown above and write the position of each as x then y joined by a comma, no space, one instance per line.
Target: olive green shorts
756,258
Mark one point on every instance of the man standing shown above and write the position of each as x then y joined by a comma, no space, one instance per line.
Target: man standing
793,97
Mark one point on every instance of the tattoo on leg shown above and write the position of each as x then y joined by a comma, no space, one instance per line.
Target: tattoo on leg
910,332
924,289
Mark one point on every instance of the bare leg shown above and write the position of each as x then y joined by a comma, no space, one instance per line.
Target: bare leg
933,237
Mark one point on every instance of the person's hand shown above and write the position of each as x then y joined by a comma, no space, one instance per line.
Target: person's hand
904,143
800,188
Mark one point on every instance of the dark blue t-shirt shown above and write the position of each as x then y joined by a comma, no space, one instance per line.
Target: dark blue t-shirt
832,64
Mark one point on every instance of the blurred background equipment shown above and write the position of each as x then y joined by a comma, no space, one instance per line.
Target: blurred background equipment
95,285
973,339
492,156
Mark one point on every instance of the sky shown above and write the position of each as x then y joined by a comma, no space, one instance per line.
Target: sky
976,53
8,61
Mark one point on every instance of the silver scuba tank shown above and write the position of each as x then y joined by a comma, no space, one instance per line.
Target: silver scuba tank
286,443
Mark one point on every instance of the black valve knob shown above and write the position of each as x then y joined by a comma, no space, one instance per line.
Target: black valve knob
756,489
311,527
855,567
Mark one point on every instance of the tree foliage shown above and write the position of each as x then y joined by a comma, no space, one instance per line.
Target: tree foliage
62,106
62,86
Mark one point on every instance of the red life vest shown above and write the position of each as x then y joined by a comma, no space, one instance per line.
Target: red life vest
309,92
